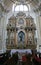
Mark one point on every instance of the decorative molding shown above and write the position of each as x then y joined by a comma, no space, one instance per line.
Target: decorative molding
21,14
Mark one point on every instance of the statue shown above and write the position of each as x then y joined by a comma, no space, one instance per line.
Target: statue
21,36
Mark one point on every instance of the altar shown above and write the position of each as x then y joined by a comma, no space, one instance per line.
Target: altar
21,32
21,51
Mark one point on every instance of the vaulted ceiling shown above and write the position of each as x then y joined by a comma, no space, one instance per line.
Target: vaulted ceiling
6,5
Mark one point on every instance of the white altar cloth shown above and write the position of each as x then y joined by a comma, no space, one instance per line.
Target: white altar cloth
21,51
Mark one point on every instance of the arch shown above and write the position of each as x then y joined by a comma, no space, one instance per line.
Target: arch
20,30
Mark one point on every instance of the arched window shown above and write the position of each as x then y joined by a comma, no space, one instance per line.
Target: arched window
21,8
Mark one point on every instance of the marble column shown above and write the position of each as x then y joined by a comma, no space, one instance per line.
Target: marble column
38,25
3,33
0,36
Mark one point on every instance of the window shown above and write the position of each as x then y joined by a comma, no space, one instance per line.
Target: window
20,8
